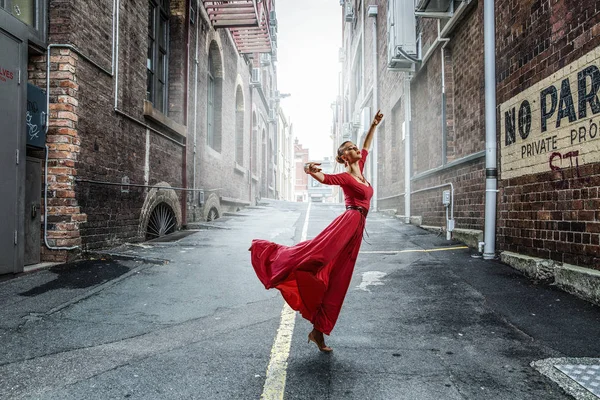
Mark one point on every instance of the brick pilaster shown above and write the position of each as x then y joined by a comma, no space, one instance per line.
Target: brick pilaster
64,214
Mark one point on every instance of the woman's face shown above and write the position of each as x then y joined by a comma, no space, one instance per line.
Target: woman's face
351,152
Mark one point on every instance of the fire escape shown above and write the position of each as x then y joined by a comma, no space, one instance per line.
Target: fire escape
252,23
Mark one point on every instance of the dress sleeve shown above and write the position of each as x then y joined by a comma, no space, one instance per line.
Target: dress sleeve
335,179
362,161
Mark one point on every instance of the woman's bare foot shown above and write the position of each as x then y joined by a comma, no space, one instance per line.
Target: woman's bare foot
317,337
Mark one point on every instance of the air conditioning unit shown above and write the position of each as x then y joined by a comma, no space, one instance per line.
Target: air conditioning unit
255,77
274,54
347,130
349,12
342,55
436,6
265,59
272,18
402,36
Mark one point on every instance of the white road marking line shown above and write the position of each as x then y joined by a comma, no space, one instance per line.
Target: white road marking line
412,251
371,278
274,387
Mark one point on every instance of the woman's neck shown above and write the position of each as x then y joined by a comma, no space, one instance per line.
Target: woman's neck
353,169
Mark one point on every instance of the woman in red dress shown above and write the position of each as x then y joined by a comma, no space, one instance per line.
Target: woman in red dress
313,276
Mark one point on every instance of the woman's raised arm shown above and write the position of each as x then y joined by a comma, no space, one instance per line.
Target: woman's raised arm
369,137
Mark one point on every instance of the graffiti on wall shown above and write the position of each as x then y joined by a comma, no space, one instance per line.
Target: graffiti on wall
6,75
32,128
553,125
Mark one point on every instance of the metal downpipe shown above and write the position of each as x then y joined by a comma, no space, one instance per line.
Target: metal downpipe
491,170
407,148
373,14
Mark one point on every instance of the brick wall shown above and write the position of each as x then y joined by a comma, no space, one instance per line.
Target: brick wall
464,124
467,89
552,212
469,204
87,139
426,114
391,104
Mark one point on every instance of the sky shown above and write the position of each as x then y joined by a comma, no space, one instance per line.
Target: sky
309,36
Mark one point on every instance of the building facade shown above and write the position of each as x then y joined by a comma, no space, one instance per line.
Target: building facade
422,63
321,193
301,157
139,117
285,162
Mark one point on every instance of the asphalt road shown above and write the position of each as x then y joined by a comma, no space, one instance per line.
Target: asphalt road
188,319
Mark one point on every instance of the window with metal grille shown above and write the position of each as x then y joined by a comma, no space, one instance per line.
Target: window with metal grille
158,54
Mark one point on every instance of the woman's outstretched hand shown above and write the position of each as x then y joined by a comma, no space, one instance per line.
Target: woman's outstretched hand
377,118
311,168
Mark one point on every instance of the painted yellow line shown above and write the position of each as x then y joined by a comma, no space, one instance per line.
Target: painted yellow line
274,387
413,251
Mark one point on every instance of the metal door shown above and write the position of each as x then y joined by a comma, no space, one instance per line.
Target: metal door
33,202
11,108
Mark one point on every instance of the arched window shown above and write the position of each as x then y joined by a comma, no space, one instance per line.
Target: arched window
214,98
265,164
271,164
254,142
239,126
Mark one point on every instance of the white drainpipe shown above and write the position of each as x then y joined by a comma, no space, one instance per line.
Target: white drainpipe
491,170
195,129
407,147
372,12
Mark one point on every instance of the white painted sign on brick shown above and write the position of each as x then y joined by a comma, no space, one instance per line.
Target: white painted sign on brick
554,124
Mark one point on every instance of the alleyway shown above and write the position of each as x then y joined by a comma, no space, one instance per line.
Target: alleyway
188,319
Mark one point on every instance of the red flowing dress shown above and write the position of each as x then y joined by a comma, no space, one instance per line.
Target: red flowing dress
313,276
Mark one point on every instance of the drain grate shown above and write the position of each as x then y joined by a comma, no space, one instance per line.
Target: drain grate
587,376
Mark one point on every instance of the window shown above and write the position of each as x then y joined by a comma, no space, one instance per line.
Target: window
23,10
214,96
270,163
254,142
158,54
239,126
358,73
33,13
211,102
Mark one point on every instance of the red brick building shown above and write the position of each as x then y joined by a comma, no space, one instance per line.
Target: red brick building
422,64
